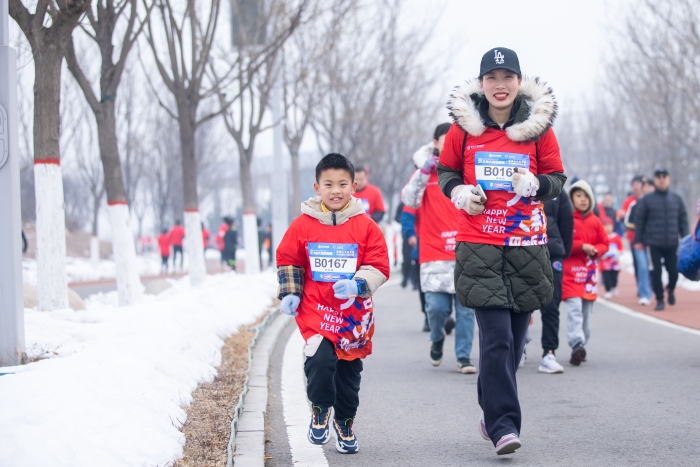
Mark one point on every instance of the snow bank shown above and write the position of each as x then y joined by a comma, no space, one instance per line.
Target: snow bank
112,391
82,270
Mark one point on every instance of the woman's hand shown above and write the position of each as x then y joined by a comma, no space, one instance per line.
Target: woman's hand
466,197
524,183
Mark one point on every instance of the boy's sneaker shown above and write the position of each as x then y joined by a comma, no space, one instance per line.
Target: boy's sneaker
482,428
578,354
449,325
549,364
465,366
436,352
523,358
345,440
319,429
644,301
508,444
608,294
671,296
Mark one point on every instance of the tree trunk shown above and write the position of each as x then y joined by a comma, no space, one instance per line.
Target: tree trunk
52,282
296,183
129,288
194,246
250,219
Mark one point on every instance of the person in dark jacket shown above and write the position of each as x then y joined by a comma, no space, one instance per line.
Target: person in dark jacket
560,233
228,254
660,221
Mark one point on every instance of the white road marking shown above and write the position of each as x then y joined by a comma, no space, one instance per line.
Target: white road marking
630,312
297,410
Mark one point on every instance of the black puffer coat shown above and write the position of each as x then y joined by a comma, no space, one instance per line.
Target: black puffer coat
660,219
560,227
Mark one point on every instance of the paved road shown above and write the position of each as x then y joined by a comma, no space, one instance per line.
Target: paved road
635,402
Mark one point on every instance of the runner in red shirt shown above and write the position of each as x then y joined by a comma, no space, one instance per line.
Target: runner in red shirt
177,234
205,236
164,245
330,262
436,234
370,195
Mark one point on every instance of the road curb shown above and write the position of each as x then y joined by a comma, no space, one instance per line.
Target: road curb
247,443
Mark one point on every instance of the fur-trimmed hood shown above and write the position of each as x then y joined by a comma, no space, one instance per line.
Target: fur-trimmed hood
586,188
538,109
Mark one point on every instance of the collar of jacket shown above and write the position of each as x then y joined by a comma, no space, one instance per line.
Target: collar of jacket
535,114
312,207
483,107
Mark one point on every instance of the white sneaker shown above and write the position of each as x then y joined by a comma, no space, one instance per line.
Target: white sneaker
644,301
523,358
608,294
549,364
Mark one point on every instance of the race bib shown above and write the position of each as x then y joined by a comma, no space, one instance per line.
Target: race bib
331,262
494,169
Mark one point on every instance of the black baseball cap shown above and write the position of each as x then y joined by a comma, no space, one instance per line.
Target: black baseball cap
499,58
660,171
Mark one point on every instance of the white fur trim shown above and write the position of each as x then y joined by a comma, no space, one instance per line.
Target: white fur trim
422,155
583,185
536,95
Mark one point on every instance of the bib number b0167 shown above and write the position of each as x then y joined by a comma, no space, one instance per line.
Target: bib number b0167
331,262
495,169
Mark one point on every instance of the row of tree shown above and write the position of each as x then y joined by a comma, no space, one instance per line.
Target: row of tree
366,98
646,112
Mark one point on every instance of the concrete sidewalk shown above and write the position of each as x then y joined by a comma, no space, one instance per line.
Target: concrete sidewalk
685,312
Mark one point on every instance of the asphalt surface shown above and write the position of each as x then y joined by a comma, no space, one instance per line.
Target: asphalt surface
636,401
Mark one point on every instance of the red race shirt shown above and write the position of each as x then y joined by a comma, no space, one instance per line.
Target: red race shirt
164,244
205,237
612,261
371,199
223,228
177,233
349,324
580,270
437,230
508,220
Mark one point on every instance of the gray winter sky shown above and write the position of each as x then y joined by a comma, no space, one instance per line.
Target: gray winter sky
562,41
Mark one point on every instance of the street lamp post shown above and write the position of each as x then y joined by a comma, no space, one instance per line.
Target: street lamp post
11,296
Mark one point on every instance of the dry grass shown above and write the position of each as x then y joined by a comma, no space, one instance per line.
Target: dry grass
208,425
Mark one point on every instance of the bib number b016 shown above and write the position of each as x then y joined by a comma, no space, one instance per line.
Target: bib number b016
331,262
495,169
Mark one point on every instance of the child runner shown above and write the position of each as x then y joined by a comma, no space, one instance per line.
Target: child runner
499,162
580,285
330,262
177,234
228,254
164,245
610,261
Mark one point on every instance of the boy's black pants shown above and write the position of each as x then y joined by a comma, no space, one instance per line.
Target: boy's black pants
550,313
333,383
610,279
501,343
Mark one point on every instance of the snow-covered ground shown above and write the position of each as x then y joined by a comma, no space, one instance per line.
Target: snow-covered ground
113,386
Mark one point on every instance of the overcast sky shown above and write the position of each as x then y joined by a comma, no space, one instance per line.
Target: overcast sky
562,41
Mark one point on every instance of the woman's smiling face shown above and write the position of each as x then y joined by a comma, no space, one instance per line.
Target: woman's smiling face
500,88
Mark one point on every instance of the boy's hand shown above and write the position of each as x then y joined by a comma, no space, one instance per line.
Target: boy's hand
466,197
590,250
345,288
289,305
524,183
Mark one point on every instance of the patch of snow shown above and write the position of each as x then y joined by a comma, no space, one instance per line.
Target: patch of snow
82,269
112,390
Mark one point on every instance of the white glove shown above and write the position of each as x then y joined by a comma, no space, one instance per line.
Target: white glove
468,198
524,183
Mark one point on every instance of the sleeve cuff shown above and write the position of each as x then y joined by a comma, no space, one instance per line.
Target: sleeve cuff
449,186
544,186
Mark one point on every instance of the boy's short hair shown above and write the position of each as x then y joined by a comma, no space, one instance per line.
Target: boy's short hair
440,130
335,161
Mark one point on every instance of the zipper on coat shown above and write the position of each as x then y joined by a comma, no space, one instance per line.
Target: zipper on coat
333,215
503,278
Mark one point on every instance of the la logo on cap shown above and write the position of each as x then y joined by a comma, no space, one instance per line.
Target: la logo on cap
499,58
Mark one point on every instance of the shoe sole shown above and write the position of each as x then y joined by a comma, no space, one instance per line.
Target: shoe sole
482,431
435,362
542,369
508,448
467,370
578,356
312,440
340,449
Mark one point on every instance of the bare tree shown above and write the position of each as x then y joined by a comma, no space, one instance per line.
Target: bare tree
189,39
48,31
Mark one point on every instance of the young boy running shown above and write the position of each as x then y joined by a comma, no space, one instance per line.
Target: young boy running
580,284
330,261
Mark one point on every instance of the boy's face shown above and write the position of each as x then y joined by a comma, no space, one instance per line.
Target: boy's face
580,201
335,187
608,228
361,179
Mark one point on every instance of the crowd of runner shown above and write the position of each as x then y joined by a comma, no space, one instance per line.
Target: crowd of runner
492,230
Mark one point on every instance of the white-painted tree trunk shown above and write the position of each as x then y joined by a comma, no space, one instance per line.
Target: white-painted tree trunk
51,280
250,240
129,288
95,252
194,247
